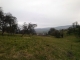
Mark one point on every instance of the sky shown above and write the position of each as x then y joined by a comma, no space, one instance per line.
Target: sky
44,13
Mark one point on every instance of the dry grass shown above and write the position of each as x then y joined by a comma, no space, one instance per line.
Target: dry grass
39,48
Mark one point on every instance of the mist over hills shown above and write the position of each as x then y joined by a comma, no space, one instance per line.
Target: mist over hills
45,30
41,30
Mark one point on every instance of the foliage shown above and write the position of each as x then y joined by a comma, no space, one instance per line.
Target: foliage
8,23
29,28
56,33
75,29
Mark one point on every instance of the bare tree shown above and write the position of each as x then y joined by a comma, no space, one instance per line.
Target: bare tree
28,28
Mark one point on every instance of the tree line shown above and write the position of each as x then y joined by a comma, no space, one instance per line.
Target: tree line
56,33
73,30
9,24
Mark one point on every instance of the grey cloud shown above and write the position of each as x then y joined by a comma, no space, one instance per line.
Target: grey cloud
45,13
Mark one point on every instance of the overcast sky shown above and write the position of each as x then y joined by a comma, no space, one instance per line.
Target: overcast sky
44,13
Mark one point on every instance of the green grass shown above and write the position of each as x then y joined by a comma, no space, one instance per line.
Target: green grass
39,48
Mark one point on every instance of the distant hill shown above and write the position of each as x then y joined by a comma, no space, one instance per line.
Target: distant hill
41,30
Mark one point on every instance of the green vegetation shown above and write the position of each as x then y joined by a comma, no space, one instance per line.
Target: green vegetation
14,46
39,48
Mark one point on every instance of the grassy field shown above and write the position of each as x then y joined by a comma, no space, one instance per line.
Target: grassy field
39,48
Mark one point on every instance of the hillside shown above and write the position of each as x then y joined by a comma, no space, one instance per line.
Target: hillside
39,48
41,30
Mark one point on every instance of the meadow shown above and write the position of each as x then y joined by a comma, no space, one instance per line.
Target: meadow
39,48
